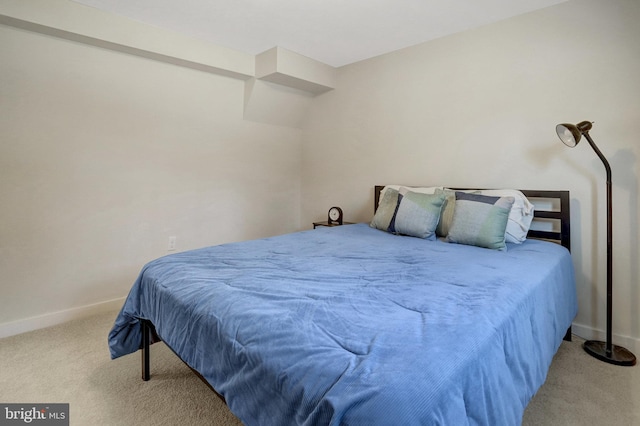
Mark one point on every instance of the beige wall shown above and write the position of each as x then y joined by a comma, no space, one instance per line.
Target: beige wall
479,109
104,155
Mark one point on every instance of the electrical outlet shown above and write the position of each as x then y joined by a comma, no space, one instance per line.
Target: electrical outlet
172,243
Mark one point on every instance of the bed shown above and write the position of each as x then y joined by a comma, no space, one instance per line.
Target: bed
355,325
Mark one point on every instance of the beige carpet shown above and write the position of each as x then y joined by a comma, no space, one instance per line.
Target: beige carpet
70,363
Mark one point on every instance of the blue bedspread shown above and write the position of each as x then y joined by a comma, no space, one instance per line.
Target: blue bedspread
351,325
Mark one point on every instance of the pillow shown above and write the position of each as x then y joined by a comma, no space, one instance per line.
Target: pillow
480,220
520,216
417,214
422,189
446,215
386,209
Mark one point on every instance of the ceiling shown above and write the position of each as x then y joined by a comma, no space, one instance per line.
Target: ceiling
335,32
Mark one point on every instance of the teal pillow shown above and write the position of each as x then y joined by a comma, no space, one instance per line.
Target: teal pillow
446,215
480,220
417,214
386,209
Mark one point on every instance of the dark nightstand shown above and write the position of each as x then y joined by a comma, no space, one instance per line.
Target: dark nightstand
325,223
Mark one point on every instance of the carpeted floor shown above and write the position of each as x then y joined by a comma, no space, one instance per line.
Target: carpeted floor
70,363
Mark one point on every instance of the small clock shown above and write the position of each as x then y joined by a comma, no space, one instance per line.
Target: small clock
335,216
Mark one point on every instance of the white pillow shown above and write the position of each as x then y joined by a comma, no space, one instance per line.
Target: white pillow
420,190
520,216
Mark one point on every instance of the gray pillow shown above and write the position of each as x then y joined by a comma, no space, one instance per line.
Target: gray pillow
386,209
480,220
446,215
417,214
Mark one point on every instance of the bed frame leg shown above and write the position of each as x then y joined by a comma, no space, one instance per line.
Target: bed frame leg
567,336
146,342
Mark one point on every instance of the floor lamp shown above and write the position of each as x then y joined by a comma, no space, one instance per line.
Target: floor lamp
570,135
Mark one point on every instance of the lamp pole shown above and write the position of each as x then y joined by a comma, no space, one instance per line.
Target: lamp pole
608,350
570,135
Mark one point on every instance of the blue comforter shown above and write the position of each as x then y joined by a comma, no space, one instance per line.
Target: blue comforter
351,325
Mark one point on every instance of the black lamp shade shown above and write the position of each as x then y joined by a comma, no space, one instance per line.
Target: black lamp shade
568,134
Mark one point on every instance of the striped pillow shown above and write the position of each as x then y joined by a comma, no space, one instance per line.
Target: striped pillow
386,209
480,220
417,214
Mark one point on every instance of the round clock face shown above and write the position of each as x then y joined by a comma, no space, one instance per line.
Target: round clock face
334,213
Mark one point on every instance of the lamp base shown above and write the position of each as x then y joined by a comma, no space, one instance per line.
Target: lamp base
618,356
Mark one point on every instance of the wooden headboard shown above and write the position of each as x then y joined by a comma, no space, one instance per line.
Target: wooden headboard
551,219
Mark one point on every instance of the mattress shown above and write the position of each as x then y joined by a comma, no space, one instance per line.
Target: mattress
352,325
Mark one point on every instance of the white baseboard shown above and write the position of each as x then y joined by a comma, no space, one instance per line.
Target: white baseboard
55,318
590,333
